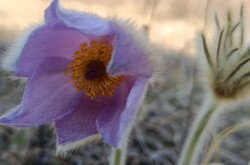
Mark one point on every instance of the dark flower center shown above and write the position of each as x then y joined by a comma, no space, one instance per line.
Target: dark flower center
88,69
95,69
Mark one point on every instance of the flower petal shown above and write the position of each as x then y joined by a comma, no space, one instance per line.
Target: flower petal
129,56
82,123
114,124
48,96
84,22
45,42
9,61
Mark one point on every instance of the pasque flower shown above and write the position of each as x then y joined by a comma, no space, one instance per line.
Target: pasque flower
86,74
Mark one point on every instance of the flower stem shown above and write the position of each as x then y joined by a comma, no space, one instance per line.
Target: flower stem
196,137
118,156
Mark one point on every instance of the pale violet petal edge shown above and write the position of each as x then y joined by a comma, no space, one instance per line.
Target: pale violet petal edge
10,58
65,149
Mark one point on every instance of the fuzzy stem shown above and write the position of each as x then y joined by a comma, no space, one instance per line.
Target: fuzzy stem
118,156
195,139
222,136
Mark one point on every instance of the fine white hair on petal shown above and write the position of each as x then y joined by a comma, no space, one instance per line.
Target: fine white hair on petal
134,30
133,120
86,22
10,58
10,111
126,136
160,59
64,150
153,53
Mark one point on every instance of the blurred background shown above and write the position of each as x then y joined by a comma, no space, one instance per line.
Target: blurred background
169,108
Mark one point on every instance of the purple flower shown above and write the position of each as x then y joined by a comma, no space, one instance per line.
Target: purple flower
86,74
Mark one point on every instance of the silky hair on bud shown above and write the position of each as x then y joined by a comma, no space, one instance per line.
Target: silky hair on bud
227,60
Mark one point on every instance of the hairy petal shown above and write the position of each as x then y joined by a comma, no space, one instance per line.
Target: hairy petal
84,22
129,56
48,96
45,42
10,59
82,123
114,124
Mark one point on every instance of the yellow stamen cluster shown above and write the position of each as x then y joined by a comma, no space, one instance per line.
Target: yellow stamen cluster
88,69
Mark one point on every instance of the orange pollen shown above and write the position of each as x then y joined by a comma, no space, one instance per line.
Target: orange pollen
88,69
